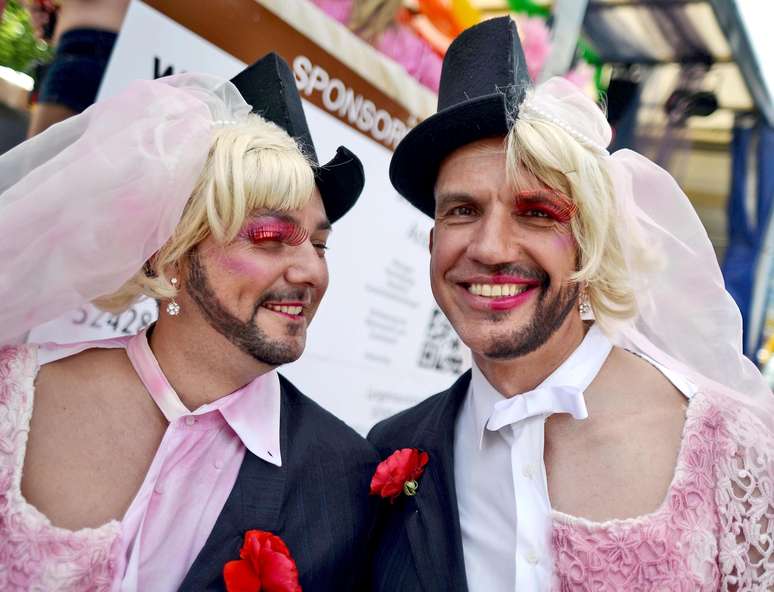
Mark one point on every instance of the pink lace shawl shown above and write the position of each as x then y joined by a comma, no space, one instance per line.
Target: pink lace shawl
34,554
713,531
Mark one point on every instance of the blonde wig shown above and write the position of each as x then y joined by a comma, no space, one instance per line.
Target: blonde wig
561,160
252,164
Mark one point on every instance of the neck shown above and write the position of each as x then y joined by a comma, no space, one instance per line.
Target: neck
520,375
199,363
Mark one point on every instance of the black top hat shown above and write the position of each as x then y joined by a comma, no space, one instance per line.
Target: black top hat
483,81
270,88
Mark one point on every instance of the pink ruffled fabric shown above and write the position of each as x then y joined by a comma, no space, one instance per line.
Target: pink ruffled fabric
402,45
714,530
34,554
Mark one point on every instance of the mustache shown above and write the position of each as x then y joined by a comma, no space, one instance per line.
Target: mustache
529,273
514,269
299,295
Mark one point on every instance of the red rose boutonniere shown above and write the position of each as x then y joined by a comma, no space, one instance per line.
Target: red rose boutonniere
265,565
398,473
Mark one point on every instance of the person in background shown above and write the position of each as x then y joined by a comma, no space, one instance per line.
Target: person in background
83,35
178,458
374,21
611,435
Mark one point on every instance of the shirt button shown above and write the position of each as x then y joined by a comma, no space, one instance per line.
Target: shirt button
158,488
218,464
190,420
528,471
532,559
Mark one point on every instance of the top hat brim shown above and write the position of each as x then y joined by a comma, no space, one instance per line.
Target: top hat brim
340,182
418,157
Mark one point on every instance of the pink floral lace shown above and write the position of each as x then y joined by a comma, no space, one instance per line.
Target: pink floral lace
714,530
34,554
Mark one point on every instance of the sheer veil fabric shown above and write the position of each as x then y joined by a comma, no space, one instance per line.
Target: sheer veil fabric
84,204
686,319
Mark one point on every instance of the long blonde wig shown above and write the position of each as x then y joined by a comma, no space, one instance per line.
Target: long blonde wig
253,164
559,160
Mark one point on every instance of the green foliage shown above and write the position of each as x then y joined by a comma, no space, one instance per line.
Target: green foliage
19,48
529,7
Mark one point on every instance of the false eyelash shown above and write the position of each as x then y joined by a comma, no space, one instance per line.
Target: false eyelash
285,232
554,204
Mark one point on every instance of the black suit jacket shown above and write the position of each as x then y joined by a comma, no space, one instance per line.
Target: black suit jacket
317,502
418,546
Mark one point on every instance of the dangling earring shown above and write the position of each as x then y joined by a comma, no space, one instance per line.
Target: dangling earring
584,306
173,308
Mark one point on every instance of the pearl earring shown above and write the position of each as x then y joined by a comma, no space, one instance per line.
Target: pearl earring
584,306
173,308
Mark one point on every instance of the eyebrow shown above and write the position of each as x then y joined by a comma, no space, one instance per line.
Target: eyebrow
539,194
285,217
446,198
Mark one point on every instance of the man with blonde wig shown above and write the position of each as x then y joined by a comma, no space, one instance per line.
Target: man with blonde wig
610,435
176,459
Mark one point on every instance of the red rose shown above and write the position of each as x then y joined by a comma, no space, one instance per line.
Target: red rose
265,566
398,473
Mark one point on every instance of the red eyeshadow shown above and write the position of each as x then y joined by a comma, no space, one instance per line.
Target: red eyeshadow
554,205
274,229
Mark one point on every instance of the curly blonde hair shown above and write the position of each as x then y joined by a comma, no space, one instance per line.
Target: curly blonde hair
606,252
253,164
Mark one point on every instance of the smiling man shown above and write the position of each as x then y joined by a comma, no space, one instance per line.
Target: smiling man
506,300
610,435
178,458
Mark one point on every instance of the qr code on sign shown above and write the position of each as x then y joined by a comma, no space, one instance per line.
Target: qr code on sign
442,349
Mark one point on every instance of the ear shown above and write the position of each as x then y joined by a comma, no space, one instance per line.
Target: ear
149,267
430,243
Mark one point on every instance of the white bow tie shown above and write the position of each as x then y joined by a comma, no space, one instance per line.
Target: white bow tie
541,401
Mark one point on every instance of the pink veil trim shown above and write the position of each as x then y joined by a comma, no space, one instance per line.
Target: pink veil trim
686,319
84,204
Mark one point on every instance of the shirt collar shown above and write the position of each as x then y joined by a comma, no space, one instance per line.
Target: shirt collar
578,370
253,411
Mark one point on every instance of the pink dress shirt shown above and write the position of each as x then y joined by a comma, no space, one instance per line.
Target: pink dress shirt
175,509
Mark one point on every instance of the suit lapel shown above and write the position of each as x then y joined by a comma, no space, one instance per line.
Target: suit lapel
434,529
254,503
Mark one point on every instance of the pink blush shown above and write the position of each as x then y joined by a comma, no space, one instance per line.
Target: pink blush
564,241
240,265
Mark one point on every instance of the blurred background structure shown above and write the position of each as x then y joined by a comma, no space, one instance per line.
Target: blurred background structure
689,83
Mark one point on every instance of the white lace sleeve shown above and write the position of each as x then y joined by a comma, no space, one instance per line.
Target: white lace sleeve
745,498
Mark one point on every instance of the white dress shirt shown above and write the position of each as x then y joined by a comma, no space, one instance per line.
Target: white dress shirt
500,476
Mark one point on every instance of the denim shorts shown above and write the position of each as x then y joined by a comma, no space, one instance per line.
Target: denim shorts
73,77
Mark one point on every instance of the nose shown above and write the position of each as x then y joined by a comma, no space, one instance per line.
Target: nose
494,242
307,268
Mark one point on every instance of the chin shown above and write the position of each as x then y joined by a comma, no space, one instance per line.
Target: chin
274,352
294,354
478,342
503,345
